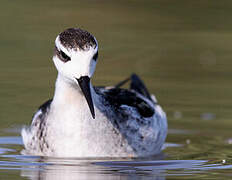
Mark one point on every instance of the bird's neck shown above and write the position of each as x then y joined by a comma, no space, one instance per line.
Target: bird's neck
69,112
69,92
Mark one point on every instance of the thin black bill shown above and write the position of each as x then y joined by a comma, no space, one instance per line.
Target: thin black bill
84,83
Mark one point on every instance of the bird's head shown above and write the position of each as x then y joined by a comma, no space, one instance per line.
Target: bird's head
75,57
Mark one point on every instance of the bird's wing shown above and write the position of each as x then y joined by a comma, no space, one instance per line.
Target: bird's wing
136,84
136,95
42,111
116,97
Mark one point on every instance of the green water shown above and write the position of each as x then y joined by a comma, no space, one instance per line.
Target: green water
181,49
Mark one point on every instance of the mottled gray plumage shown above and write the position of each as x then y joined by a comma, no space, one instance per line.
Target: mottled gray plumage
120,103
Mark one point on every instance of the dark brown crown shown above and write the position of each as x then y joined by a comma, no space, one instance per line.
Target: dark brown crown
75,38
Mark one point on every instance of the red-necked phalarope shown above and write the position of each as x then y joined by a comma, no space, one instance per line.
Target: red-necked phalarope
86,121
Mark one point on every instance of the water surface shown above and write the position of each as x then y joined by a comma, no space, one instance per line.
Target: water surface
187,160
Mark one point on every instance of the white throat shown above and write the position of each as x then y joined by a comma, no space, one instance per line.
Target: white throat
68,93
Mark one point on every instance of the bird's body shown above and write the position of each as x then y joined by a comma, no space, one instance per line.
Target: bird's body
122,122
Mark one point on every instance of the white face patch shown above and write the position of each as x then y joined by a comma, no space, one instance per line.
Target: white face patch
81,63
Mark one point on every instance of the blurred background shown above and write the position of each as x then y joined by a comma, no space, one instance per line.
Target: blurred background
181,49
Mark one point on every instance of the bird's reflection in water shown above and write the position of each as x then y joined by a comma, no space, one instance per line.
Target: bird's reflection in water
70,169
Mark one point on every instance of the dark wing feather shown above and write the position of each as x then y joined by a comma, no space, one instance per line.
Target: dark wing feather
117,97
136,84
44,108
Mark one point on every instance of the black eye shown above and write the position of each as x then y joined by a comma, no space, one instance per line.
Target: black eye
95,56
64,57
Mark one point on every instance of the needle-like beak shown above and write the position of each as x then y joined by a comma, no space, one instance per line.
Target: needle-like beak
84,83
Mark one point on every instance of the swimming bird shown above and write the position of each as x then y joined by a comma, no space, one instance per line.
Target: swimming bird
86,121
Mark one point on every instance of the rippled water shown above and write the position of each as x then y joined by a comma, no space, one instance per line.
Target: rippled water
182,50
163,166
